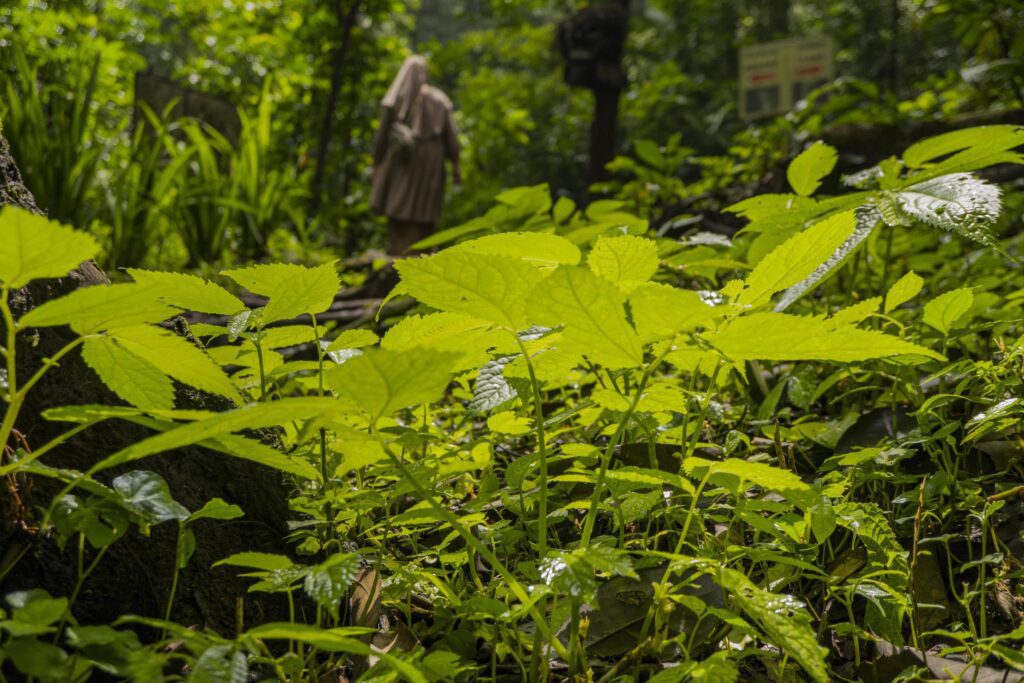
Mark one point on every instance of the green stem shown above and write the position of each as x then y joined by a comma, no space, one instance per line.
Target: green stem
481,549
595,499
542,452
325,485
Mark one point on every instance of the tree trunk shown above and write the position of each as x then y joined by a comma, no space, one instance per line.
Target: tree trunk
134,577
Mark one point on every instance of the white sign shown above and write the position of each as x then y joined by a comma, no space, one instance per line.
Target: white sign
775,76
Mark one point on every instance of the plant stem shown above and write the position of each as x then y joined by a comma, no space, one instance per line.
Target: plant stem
542,452
325,485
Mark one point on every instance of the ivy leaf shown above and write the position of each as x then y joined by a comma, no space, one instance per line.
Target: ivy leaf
958,203
293,290
945,310
796,258
382,381
101,307
131,377
661,311
904,289
484,286
778,336
807,170
782,618
543,249
147,494
176,357
591,308
32,247
627,260
328,582
189,292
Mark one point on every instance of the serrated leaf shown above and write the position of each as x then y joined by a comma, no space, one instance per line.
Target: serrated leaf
732,472
627,260
288,335
353,339
957,203
33,247
328,582
796,258
661,311
866,219
807,170
484,286
976,145
536,247
254,416
491,389
177,358
188,292
471,338
851,315
945,310
782,618
778,336
101,307
221,663
217,509
904,289
591,308
131,377
382,381
292,290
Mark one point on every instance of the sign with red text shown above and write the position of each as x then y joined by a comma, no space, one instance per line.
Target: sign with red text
775,76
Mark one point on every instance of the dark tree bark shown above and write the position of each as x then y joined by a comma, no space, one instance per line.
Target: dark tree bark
135,575
346,19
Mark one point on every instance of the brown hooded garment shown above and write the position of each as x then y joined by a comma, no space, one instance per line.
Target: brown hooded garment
412,189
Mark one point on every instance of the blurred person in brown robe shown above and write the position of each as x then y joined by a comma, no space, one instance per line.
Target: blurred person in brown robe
417,134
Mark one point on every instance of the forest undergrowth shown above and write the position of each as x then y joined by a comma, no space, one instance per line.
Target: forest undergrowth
588,453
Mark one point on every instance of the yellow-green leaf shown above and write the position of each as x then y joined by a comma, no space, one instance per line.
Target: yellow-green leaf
189,292
293,290
382,381
537,247
945,310
591,308
481,285
905,289
101,307
627,260
806,171
33,247
778,336
131,377
661,311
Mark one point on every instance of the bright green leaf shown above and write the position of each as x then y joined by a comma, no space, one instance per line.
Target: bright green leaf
131,377
661,311
188,292
807,170
627,260
383,381
905,289
33,247
945,310
101,307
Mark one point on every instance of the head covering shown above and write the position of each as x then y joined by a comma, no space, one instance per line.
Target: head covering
407,87
414,102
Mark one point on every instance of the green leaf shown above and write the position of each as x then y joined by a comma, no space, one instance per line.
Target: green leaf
782,618
957,203
540,248
131,377
353,339
797,258
176,357
382,381
33,657
904,289
807,170
733,472
147,494
945,310
267,562
866,221
591,308
491,389
101,307
484,286
778,336
216,509
328,582
470,338
661,311
293,290
649,152
188,292
254,416
978,147
627,260
220,663
32,247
